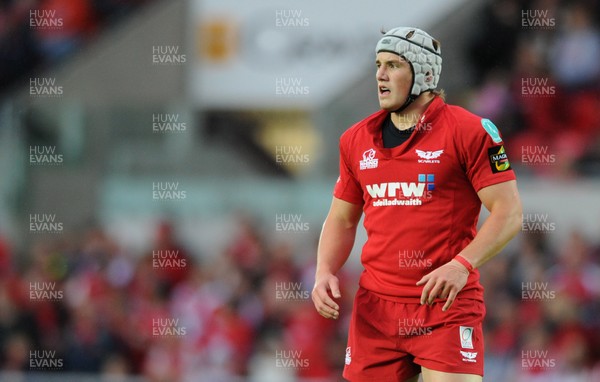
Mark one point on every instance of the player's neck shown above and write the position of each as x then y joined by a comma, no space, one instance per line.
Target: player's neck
410,116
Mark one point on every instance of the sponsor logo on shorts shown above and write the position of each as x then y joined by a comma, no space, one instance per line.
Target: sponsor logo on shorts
348,358
498,159
468,356
369,161
466,337
429,156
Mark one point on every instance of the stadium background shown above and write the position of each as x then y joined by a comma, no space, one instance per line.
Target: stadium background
165,167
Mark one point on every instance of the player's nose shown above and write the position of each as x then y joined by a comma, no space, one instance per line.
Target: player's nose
381,74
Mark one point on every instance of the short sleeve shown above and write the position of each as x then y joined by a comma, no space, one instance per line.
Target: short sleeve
485,158
347,186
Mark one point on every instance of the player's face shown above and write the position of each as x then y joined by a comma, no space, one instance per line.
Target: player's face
394,79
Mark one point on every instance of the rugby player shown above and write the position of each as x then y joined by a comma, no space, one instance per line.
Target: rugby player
419,170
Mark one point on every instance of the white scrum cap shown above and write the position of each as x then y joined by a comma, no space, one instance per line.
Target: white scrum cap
422,52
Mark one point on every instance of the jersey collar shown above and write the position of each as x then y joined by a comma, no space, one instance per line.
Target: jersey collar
374,125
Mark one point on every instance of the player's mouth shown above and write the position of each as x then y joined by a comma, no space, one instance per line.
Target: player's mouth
384,91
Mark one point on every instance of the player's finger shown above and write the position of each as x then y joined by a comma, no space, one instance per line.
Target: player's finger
334,287
426,290
450,300
445,291
439,286
423,280
327,311
323,298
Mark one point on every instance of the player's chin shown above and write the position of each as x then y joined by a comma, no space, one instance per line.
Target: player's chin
388,106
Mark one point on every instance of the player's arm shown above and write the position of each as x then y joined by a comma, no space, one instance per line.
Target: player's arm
503,223
335,244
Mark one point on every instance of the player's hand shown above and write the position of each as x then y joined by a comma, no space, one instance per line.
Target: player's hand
444,282
321,297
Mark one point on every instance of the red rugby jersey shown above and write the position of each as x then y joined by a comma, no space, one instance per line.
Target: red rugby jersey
420,198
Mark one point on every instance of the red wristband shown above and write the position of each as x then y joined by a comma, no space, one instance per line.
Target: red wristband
464,262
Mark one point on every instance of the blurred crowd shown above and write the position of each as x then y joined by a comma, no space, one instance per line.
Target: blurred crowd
537,75
37,33
543,303
122,313
246,314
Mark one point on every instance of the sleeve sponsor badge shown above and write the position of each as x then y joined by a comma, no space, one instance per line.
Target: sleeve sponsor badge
491,129
498,159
